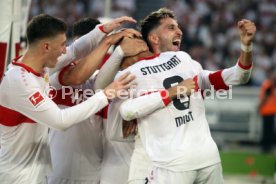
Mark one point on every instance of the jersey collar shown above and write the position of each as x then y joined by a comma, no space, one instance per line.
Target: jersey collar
29,69
149,58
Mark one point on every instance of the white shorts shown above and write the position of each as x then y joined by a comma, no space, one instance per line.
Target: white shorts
207,175
53,180
140,164
114,173
144,181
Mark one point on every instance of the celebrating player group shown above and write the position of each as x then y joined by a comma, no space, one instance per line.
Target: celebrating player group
80,114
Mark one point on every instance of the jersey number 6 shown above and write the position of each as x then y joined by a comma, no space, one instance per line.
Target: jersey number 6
172,81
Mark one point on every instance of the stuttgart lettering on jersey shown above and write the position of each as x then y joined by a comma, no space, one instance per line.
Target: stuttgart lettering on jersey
173,62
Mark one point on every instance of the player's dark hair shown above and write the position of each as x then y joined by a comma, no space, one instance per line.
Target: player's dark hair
83,26
153,20
44,26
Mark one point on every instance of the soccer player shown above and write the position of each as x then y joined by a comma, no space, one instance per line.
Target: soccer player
82,143
77,152
117,154
26,110
82,46
267,109
176,137
161,31
118,148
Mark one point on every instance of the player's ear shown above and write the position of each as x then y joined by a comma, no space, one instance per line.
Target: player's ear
45,46
153,38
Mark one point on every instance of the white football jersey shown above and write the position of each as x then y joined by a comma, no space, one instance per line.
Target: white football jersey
116,158
77,152
26,112
176,137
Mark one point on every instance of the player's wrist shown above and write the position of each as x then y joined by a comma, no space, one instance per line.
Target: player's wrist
109,93
165,97
172,92
102,28
247,48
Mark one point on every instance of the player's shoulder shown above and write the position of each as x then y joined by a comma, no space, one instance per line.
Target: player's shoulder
183,56
177,53
20,78
133,68
182,53
15,73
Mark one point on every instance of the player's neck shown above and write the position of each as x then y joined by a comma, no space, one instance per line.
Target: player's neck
156,50
33,60
133,59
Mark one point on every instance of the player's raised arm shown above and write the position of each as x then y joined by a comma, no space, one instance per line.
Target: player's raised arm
238,74
116,23
82,46
88,65
128,47
247,30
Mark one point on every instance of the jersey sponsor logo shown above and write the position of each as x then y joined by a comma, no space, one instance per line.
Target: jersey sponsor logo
36,99
182,120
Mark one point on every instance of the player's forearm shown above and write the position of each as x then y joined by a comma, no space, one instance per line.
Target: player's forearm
80,48
222,79
140,107
236,75
86,66
246,58
247,31
62,119
109,69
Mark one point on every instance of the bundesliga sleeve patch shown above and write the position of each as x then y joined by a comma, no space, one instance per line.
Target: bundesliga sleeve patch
36,99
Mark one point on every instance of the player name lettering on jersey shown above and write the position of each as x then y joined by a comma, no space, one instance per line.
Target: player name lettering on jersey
181,120
173,62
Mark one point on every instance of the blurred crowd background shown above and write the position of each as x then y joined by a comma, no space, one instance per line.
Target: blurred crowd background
209,26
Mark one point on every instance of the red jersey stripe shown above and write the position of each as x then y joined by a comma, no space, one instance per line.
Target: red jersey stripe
9,117
217,81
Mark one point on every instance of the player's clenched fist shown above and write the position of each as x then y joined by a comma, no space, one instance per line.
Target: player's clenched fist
247,31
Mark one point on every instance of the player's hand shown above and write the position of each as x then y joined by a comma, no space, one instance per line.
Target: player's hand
116,37
188,86
133,46
116,23
130,60
132,33
183,89
120,86
129,127
247,31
